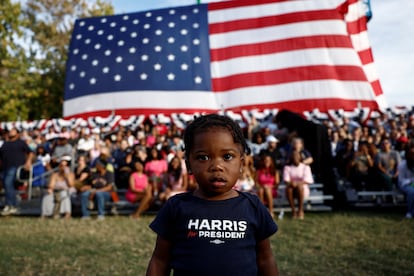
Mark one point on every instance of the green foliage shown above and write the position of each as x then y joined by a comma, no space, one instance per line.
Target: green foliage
337,243
34,41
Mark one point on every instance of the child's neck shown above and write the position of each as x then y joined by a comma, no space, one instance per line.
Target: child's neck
216,197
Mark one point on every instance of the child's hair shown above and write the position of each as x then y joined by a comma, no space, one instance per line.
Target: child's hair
211,121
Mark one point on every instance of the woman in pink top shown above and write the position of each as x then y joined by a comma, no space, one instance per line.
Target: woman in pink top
155,169
267,179
297,176
139,189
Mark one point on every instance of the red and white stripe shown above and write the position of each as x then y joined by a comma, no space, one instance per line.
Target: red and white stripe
297,55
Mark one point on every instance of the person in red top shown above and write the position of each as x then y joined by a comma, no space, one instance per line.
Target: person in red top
267,179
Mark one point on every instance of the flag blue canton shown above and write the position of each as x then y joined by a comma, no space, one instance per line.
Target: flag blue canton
158,50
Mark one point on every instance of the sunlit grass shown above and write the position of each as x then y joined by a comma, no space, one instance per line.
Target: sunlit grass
352,243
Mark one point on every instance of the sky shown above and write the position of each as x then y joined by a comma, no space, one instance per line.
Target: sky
390,31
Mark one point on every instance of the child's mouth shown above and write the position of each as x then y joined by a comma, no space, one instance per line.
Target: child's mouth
218,182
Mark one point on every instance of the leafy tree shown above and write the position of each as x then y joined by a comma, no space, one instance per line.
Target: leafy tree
13,63
34,40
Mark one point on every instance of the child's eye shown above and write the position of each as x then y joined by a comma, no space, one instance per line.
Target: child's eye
228,156
202,157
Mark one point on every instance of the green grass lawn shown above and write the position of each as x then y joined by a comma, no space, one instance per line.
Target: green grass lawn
337,243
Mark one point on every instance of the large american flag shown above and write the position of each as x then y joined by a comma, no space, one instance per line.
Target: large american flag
235,55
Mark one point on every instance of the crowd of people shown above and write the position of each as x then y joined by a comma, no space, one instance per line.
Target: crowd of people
148,162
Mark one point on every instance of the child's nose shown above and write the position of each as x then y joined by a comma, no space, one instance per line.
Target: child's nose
216,164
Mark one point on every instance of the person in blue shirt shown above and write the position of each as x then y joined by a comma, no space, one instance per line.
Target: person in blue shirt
214,230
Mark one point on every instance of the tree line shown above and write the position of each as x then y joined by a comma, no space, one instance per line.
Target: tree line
34,42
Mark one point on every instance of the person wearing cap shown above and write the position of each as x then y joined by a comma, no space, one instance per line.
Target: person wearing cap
273,151
98,190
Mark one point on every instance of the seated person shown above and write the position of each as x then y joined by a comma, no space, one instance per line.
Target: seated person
267,179
58,197
99,190
139,189
246,182
361,168
297,144
388,161
297,175
82,172
61,149
175,179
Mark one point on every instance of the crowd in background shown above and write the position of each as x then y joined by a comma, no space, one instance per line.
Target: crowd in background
147,161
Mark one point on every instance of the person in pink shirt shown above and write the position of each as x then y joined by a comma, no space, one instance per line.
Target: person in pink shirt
139,189
155,169
267,179
297,176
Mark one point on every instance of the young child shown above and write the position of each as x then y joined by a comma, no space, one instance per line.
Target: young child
214,230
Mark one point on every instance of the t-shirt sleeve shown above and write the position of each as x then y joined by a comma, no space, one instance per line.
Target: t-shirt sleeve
161,223
266,226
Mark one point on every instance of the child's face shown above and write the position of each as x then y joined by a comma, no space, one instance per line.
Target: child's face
215,160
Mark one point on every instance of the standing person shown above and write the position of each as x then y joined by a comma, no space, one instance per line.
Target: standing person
297,176
13,154
406,179
210,230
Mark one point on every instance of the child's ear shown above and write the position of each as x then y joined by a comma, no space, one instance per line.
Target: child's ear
187,164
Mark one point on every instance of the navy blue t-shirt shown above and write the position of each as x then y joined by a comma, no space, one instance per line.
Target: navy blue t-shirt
214,237
14,153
